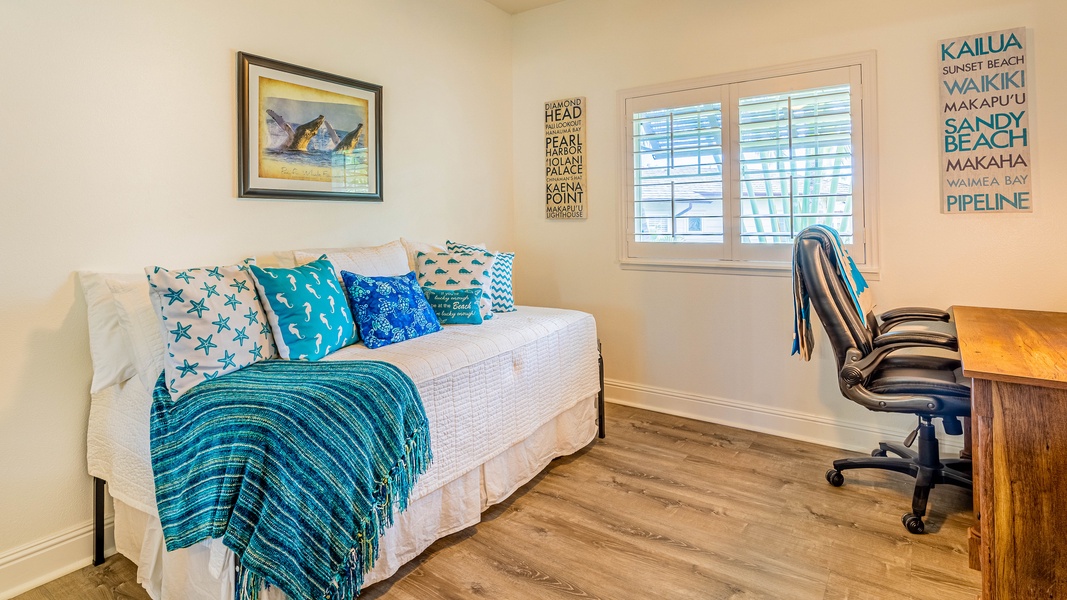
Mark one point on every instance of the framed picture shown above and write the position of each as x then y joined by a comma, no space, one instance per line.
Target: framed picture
306,134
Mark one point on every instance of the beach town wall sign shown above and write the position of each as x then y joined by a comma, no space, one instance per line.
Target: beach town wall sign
565,182
985,124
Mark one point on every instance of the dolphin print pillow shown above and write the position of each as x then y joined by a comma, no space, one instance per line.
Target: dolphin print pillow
307,309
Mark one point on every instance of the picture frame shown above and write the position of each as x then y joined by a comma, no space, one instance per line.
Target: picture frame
306,134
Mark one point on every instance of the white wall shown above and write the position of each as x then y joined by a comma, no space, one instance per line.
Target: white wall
717,346
119,137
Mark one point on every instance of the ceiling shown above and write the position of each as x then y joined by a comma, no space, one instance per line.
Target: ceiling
517,6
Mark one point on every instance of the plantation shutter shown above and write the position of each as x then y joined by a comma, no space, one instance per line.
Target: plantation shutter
724,172
799,147
677,174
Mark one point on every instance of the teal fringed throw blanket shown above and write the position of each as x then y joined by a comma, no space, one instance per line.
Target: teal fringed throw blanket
297,466
857,287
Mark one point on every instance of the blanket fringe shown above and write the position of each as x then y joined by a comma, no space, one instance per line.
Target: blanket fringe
248,584
392,493
391,498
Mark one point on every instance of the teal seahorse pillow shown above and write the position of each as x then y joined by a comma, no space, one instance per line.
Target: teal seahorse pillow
458,271
307,309
500,282
389,309
212,322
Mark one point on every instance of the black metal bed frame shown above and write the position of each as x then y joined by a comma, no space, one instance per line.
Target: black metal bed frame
98,484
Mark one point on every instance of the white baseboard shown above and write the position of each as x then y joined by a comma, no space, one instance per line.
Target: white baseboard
37,563
817,429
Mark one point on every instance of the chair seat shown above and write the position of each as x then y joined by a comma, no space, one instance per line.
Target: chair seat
924,376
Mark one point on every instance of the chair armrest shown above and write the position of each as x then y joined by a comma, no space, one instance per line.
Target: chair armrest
858,368
901,404
891,318
898,339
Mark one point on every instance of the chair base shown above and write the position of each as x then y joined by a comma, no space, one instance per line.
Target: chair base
925,466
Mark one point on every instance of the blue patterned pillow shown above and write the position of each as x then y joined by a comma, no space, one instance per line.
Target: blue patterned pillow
212,322
456,307
500,280
306,308
389,309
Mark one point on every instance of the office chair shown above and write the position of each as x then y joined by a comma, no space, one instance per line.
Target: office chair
873,374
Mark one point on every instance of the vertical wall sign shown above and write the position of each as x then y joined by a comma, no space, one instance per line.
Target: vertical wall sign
985,122
565,184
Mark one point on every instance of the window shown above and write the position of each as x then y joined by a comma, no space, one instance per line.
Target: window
724,172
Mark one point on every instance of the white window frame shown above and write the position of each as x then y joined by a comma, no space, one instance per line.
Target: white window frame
732,256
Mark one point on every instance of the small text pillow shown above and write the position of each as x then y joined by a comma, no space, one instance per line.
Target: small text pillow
454,307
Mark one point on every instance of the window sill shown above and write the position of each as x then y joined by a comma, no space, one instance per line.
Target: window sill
726,267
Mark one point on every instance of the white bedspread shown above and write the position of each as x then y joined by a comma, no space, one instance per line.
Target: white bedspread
484,388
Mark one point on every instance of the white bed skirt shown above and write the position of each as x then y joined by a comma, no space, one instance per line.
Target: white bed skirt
205,571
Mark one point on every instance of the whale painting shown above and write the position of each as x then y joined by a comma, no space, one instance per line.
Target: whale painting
307,134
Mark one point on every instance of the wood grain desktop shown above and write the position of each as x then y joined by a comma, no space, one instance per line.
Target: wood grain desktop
1018,362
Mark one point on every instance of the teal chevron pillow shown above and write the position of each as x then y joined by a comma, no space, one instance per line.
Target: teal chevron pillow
389,309
456,307
212,322
307,309
457,271
500,281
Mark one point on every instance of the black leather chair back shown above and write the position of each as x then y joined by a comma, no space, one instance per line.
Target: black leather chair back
816,264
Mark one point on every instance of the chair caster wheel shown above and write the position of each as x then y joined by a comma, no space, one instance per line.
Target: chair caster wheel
913,524
835,478
879,453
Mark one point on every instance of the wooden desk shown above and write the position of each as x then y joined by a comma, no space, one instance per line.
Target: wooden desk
1018,362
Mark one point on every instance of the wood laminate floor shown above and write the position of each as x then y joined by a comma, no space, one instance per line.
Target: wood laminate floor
672,508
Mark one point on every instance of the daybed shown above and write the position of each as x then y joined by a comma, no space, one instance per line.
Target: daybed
503,399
